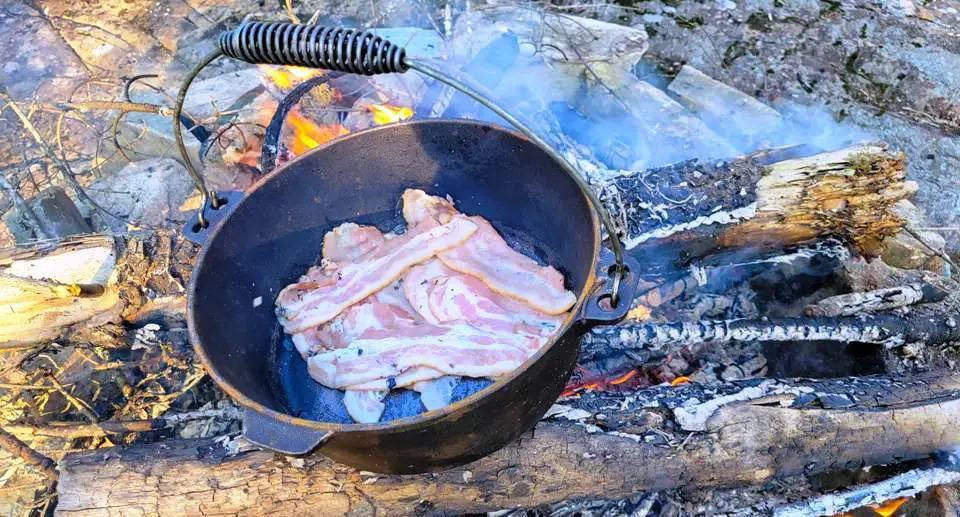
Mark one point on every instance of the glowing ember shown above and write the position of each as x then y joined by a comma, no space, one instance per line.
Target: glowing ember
386,114
307,135
288,76
890,507
624,378
683,379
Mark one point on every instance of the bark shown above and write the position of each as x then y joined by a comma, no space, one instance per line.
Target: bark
699,206
754,432
47,289
879,300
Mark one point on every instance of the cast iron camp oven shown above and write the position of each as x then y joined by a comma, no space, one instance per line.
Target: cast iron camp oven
255,244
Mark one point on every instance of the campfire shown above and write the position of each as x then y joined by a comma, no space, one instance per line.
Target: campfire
791,348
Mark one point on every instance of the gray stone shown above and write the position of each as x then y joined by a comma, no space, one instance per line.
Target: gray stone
144,136
144,193
728,111
225,92
905,251
56,212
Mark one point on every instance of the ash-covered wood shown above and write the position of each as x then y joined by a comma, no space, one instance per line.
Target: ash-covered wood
847,193
889,330
908,484
879,300
601,445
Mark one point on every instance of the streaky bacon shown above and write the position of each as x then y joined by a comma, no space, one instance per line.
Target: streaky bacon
300,309
365,407
417,283
454,350
418,206
510,273
437,393
350,241
406,379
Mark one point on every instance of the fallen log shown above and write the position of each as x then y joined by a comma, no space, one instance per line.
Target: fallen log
48,288
754,432
698,206
889,330
873,301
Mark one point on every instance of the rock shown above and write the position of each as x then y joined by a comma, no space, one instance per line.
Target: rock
898,7
144,136
905,251
566,42
225,92
144,193
672,134
57,213
728,111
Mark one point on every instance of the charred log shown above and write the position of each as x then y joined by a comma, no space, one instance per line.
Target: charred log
694,207
889,330
879,300
580,453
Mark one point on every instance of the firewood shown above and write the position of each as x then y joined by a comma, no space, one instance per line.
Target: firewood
699,205
889,330
47,288
753,434
907,484
879,300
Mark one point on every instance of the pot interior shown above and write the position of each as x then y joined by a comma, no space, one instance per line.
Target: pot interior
276,233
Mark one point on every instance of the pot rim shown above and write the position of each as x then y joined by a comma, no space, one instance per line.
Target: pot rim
400,424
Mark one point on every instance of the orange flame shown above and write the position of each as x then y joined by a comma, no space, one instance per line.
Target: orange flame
386,114
288,76
307,135
890,507
683,379
624,378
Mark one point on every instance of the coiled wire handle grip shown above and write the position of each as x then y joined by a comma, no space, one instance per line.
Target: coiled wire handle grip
360,52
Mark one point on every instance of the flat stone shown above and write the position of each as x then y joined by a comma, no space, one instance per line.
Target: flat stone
145,193
728,111
144,136
225,92
905,251
32,51
57,213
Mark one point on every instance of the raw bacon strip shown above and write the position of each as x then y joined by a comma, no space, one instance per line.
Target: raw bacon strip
457,350
408,378
350,241
418,206
386,309
365,407
488,257
437,393
417,283
463,297
359,280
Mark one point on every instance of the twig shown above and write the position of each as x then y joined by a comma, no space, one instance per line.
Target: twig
65,171
72,430
292,15
13,445
946,258
81,406
137,107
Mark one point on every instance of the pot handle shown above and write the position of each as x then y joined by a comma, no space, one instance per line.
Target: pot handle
363,52
597,308
280,436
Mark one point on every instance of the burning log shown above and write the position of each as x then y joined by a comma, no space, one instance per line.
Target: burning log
873,301
580,453
890,330
698,206
895,489
47,289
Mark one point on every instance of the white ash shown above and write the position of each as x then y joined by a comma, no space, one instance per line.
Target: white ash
904,485
723,217
694,418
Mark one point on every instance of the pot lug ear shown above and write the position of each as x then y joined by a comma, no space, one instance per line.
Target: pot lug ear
597,309
280,436
196,234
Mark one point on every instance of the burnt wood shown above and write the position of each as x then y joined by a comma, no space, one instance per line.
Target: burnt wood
765,430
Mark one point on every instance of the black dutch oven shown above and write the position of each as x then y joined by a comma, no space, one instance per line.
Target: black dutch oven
257,243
